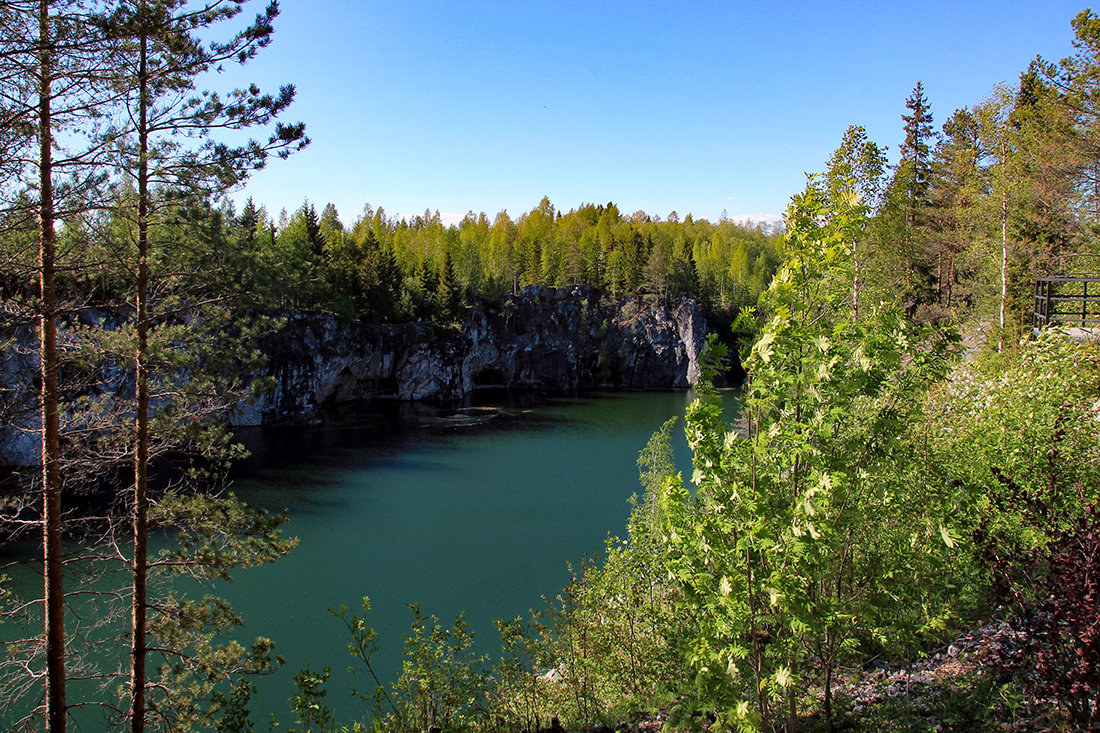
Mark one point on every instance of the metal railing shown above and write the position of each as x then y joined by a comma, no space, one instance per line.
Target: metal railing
1066,301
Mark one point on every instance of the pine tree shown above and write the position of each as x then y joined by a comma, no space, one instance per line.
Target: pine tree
54,600
957,185
51,74
159,59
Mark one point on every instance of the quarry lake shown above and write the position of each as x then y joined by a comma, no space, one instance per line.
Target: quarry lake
478,511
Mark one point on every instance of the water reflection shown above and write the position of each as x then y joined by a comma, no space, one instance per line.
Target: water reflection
477,507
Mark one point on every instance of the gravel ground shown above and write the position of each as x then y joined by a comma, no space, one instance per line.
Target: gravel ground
957,688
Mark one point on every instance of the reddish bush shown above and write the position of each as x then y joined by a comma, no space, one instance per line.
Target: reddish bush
1057,617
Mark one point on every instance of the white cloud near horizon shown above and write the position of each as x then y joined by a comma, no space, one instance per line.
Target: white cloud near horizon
757,218
447,217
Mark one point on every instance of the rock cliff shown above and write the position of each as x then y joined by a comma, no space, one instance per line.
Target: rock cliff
20,437
545,339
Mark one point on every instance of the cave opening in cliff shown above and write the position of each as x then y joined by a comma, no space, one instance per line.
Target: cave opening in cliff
489,378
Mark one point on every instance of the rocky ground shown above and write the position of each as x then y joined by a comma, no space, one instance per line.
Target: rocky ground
953,689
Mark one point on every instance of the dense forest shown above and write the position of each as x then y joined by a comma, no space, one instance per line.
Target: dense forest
910,468
390,270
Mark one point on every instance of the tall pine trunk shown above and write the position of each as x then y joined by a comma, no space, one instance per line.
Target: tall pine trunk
141,412
54,598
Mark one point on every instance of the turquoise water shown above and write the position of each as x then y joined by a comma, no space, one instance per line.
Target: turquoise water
479,511
476,518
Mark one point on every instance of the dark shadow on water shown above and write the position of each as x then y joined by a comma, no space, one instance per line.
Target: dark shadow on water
369,432
297,468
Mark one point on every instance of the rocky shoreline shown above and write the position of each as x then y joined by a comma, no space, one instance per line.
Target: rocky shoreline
543,339
556,340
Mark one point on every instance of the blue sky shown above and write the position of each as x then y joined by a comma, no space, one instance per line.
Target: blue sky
696,107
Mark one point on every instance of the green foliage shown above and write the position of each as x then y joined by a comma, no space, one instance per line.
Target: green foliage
1016,436
448,291
802,541
236,717
308,705
199,681
363,646
384,269
517,695
216,535
1020,438
442,682
388,269
440,679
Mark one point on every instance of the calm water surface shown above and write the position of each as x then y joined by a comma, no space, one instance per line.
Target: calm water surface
478,511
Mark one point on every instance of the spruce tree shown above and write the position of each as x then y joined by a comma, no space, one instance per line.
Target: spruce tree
389,278
916,150
903,229
449,290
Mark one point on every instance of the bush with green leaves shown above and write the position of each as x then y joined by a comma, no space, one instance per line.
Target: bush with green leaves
1020,436
517,695
815,530
443,683
610,647
627,623
1020,439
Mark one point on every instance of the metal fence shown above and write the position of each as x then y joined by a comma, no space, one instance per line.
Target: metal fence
1067,301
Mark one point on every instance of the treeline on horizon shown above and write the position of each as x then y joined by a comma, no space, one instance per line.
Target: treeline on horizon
390,269
962,223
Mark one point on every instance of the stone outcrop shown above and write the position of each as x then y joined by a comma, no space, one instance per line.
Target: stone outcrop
20,437
544,339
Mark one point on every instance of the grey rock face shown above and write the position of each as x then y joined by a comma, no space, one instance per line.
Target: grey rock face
546,339
20,423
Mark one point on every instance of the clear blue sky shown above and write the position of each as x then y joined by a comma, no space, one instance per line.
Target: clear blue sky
696,107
